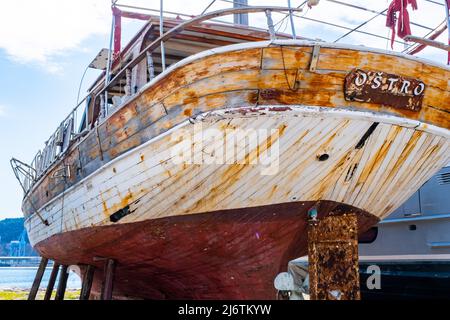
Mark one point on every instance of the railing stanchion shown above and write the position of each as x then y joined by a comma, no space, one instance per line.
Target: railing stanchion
102,106
150,65
270,25
128,82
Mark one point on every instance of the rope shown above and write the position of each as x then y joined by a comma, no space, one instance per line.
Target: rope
207,7
285,72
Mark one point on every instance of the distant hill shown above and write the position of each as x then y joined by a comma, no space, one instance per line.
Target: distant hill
10,229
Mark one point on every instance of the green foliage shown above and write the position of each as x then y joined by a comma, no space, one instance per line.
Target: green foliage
19,294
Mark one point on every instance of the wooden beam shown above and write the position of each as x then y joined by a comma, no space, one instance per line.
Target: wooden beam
428,42
333,257
60,292
51,281
86,284
38,279
108,280
433,36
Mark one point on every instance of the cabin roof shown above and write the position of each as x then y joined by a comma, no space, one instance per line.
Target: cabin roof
192,40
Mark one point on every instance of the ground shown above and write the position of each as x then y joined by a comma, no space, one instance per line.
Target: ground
21,294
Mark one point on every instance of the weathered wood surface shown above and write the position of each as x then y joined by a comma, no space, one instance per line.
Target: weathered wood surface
51,281
108,280
86,283
394,161
62,283
38,278
397,157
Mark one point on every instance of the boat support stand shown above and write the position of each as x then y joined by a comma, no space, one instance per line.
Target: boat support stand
62,283
86,285
109,271
333,257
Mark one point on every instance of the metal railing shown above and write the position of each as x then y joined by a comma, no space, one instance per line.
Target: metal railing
70,129
76,123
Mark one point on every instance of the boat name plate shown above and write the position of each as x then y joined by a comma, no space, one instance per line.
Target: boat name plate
384,88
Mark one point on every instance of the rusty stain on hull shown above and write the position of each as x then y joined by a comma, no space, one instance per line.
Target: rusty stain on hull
245,223
247,264
233,79
333,258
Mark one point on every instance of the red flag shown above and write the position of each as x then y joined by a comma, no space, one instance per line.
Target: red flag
403,27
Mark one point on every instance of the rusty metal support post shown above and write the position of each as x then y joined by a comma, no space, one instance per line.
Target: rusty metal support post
333,257
51,281
38,279
108,280
62,283
86,284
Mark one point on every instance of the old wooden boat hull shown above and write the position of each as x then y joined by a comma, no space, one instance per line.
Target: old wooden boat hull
232,254
223,227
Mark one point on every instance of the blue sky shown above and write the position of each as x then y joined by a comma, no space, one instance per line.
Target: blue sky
43,55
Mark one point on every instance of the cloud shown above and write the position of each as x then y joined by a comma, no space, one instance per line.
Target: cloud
42,32
2,110
38,31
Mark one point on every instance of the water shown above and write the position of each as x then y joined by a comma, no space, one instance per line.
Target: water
22,278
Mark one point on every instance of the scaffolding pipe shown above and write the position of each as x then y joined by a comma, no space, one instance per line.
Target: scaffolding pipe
447,15
422,46
155,10
152,46
161,32
428,42
207,7
373,11
361,25
108,66
430,35
346,28
240,18
291,17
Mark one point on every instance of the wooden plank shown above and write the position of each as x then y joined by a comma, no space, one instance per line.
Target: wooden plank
149,182
88,277
284,57
38,279
108,280
62,283
238,78
236,70
51,281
